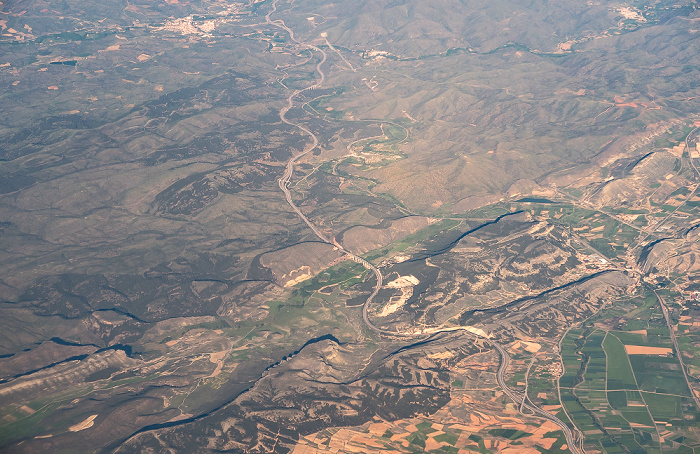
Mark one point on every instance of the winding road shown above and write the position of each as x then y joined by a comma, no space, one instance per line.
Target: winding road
524,402
678,351
284,182
289,172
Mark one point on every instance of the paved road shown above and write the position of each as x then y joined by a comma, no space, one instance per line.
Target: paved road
289,172
284,186
579,434
652,228
500,378
674,340
527,376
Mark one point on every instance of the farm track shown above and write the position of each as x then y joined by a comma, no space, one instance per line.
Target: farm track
284,182
286,178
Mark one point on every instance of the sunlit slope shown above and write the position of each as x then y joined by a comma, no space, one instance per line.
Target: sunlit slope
415,28
481,121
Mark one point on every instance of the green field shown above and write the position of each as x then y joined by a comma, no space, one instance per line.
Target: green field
601,391
619,371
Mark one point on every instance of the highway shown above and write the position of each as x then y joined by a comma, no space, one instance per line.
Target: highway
678,352
527,376
574,443
518,399
289,172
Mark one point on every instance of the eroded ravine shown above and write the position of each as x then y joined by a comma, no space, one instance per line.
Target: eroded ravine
289,171
284,182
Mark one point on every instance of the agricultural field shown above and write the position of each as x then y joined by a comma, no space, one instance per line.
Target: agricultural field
300,226
623,387
453,428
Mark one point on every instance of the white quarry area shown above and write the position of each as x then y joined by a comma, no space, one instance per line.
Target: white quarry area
405,284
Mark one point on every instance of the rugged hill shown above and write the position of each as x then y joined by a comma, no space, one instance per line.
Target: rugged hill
482,179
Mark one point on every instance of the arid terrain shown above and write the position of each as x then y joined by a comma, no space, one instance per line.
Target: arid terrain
299,226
